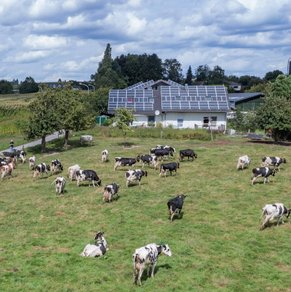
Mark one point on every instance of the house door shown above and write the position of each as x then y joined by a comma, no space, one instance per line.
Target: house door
151,121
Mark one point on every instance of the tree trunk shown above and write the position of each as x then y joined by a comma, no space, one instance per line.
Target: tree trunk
43,144
66,139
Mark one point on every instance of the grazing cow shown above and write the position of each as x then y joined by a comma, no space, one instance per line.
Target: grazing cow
60,184
88,175
16,154
41,169
161,153
170,148
243,162
187,153
104,155
32,161
264,172
273,161
147,257
110,191
6,169
274,211
72,171
98,249
133,176
121,161
175,206
149,160
171,166
56,166
21,154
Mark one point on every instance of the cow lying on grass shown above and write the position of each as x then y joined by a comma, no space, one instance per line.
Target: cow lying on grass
98,249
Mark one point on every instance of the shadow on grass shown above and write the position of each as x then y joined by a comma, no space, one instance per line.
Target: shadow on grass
58,146
157,268
126,144
268,142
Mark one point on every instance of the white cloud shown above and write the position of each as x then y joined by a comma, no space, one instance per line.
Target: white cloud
43,42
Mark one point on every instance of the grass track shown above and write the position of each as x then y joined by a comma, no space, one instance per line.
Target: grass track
217,244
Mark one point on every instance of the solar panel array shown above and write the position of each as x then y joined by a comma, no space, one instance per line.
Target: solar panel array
194,98
138,100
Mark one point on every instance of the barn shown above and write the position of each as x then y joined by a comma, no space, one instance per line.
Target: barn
169,103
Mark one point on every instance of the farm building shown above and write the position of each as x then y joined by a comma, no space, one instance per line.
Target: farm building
172,104
247,101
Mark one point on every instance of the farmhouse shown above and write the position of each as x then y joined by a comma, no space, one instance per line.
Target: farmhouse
246,101
169,103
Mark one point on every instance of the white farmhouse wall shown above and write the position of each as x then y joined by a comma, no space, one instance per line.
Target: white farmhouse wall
193,120
140,120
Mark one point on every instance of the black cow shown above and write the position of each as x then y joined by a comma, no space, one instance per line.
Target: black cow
264,172
187,153
87,175
171,166
161,153
110,191
175,206
121,161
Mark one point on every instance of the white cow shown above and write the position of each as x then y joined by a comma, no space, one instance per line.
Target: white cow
98,249
243,162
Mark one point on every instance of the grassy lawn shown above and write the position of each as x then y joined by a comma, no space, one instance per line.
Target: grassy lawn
217,244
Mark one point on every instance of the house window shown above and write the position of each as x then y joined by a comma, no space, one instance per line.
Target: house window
180,123
213,121
151,121
205,122
130,100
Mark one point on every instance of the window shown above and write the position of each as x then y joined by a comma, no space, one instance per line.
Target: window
180,123
205,121
151,121
213,121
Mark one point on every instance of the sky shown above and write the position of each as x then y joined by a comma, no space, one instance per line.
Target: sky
50,40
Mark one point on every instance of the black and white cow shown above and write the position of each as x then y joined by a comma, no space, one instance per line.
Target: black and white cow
264,172
175,206
110,191
149,159
187,153
133,176
56,166
171,166
88,175
104,155
122,161
60,184
161,153
98,249
273,161
147,257
40,169
272,212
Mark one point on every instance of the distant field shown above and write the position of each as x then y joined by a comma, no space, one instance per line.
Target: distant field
217,244
16,99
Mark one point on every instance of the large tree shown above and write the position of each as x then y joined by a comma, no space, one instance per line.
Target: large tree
172,70
275,113
5,87
28,86
189,76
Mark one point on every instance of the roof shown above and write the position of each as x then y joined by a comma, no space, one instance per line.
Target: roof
239,97
169,96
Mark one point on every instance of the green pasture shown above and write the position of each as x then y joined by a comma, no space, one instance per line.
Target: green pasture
216,245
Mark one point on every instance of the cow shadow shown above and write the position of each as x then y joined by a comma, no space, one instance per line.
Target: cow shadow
178,217
157,268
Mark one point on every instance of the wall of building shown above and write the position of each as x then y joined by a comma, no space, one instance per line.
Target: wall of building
185,120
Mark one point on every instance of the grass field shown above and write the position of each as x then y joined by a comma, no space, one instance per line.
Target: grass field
216,245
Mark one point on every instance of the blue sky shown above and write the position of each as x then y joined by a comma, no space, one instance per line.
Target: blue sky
52,39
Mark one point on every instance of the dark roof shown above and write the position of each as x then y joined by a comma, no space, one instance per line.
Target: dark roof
143,98
239,97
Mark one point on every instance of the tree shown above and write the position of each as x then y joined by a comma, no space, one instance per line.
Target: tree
216,76
44,119
172,70
106,76
123,118
271,76
189,76
28,86
202,74
275,113
5,87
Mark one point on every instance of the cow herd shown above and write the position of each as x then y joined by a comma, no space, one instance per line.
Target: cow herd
270,165
146,256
